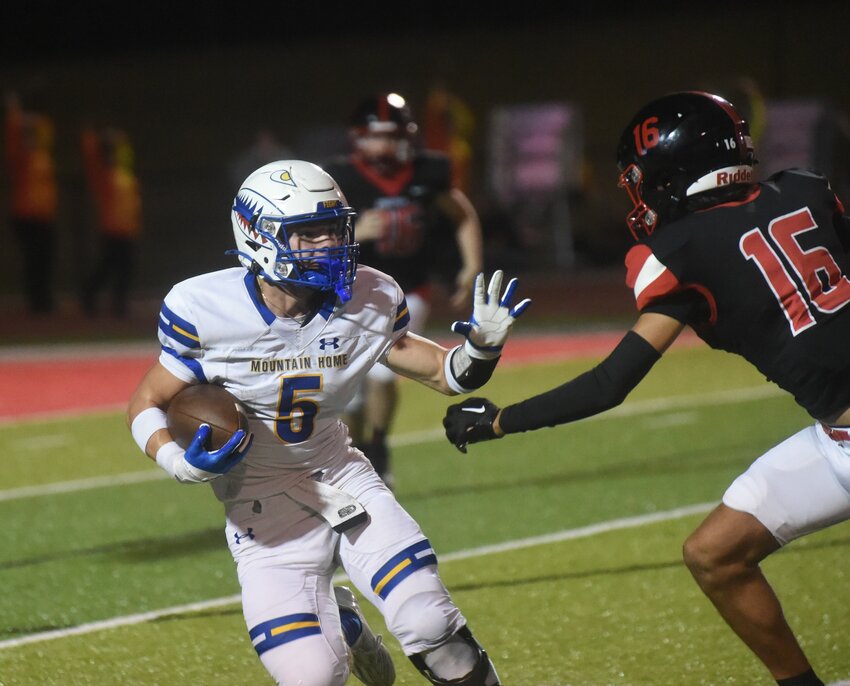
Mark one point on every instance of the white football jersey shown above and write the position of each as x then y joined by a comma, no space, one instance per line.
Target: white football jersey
294,379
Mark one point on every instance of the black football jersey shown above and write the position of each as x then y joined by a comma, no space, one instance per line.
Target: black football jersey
417,229
765,278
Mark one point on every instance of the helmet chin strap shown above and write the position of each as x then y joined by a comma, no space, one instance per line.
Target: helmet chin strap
320,278
343,292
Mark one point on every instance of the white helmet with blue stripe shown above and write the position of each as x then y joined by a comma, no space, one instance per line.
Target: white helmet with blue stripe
274,200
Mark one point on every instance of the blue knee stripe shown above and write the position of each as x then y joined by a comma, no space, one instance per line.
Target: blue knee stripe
400,566
282,630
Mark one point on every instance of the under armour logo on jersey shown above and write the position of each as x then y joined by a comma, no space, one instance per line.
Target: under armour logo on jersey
247,535
329,343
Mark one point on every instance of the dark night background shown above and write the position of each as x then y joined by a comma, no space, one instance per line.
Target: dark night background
192,83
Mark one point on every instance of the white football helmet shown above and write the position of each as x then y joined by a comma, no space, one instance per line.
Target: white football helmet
270,202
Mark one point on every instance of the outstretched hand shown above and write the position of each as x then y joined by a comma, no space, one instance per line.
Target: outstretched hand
470,421
492,317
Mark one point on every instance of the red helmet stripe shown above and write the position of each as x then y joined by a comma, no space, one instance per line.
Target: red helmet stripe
383,108
725,105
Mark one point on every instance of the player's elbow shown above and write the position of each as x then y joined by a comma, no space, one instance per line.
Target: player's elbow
615,396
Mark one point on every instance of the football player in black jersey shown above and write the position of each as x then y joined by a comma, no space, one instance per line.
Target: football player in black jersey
756,269
407,211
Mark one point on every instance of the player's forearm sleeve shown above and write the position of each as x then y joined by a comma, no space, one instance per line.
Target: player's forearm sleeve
465,373
599,389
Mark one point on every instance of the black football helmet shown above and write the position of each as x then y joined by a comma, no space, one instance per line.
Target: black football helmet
384,116
679,146
384,113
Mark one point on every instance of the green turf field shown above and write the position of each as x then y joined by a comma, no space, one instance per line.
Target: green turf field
608,602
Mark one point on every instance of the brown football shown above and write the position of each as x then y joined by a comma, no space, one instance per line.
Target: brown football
205,404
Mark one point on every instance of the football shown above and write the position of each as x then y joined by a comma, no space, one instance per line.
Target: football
205,404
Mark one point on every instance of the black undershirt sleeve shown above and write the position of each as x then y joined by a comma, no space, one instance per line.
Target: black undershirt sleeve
599,389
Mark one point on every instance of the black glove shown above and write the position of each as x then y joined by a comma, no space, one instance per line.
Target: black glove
470,422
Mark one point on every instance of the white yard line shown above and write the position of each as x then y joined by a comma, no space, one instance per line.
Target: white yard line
678,403
565,535
82,484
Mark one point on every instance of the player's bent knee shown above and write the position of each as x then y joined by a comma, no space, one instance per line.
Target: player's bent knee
705,563
712,566
425,619
460,661
287,667
695,555
296,652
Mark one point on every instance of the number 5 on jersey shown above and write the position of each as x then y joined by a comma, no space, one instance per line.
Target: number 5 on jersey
295,414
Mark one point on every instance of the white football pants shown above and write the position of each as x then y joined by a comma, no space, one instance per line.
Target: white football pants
286,557
800,486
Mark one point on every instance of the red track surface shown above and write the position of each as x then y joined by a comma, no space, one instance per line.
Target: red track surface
31,387
70,383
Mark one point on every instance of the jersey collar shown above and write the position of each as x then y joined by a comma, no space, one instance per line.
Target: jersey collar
254,293
325,310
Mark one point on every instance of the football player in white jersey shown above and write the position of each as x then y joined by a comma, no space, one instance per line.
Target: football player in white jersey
291,333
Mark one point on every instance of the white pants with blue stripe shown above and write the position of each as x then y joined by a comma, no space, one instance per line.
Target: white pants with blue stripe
286,557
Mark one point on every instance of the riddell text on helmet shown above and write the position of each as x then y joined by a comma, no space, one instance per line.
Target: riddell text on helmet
738,176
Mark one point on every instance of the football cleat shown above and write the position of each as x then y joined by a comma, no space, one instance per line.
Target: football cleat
371,661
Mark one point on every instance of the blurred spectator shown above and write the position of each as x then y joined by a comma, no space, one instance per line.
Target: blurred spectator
447,126
33,207
411,221
116,195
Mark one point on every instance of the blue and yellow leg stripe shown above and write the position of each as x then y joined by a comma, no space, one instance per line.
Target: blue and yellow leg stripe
402,566
282,630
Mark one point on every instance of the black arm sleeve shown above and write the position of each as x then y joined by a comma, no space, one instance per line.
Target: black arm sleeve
599,389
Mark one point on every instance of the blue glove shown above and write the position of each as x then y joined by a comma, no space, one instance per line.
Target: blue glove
219,461
492,317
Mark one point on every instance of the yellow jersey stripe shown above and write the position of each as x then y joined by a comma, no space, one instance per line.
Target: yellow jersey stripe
185,333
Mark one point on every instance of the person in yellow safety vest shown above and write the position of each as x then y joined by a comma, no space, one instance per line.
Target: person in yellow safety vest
116,194
29,138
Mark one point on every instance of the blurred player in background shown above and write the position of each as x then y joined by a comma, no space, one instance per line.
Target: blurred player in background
756,269
408,211
291,334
